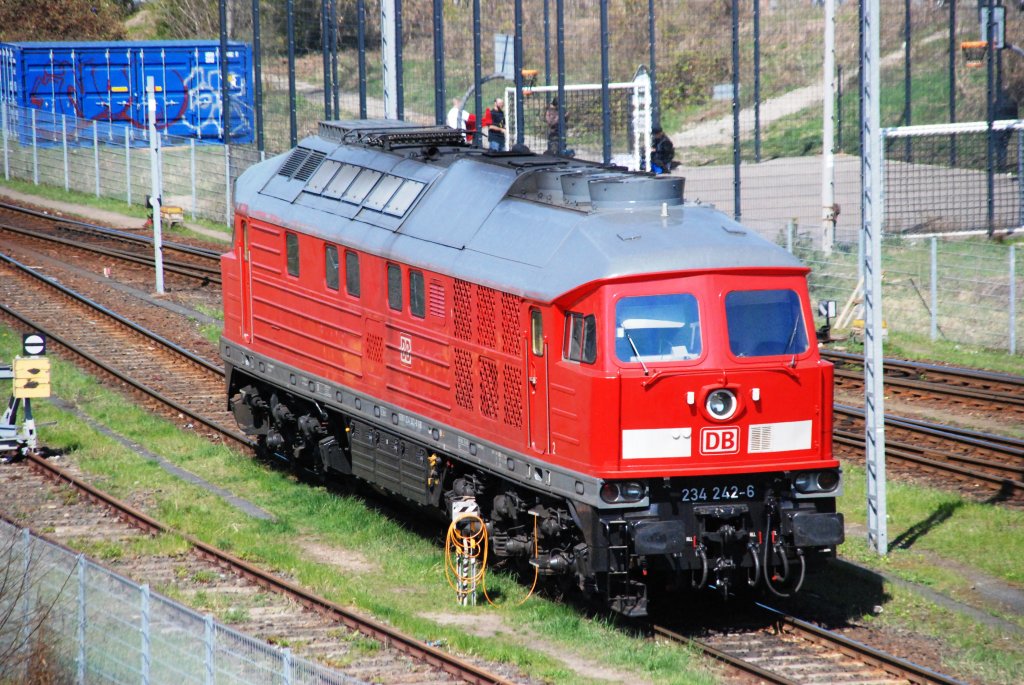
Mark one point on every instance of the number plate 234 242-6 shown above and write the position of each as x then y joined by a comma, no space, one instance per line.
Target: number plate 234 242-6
719,493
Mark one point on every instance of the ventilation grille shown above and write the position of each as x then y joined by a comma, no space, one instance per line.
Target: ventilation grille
512,396
309,165
488,388
463,311
485,316
375,348
510,305
436,300
464,379
760,439
295,159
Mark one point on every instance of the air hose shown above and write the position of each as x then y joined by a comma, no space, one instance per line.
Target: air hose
466,556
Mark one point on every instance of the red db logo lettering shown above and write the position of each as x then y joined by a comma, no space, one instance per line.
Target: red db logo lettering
720,440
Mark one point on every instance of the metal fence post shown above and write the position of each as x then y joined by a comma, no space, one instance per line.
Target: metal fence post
790,230
192,171
934,289
96,155
227,185
286,666
64,145
144,630
26,623
35,150
128,163
81,619
7,166
1020,175
1013,299
209,651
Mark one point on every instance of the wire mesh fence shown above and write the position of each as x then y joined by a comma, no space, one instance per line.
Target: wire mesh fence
114,161
65,616
965,291
954,178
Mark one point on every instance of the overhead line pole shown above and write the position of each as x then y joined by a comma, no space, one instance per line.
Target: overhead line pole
871,225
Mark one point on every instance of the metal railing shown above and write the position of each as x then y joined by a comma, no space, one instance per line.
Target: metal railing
89,624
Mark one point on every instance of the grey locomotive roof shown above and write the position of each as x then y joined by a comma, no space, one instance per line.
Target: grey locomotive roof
498,220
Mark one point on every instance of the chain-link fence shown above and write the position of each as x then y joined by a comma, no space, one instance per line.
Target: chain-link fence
64,616
114,161
966,291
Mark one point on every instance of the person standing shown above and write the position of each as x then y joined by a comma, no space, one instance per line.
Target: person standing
662,152
496,130
457,117
551,119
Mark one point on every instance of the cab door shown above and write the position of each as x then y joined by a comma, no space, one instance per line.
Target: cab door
245,284
537,359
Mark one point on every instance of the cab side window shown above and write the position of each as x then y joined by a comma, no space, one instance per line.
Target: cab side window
331,267
352,273
580,343
395,287
291,243
417,298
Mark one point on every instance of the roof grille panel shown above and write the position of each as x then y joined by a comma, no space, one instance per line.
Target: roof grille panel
309,165
297,157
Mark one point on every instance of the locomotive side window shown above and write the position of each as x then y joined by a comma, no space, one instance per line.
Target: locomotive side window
580,338
537,332
352,273
657,328
763,323
331,266
291,243
417,299
395,287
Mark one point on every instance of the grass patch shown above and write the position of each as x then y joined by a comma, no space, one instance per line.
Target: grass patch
58,194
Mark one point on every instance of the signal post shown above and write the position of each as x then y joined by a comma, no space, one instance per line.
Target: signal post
30,374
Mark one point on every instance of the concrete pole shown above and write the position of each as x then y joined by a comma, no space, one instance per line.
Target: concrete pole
155,184
828,163
389,57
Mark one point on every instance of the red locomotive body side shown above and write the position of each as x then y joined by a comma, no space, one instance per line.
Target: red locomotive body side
426,363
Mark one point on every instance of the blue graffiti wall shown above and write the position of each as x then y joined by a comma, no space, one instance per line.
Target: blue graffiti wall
105,82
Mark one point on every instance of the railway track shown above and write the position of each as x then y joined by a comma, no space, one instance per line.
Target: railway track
921,382
792,651
992,461
194,263
273,607
177,382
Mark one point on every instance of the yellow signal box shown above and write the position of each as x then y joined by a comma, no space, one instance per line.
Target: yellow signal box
31,377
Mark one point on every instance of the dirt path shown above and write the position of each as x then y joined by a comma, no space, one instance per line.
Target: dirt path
719,131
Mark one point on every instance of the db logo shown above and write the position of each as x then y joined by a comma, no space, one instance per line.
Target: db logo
405,350
720,440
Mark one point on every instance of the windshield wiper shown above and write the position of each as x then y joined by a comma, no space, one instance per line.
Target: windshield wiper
792,338
637,353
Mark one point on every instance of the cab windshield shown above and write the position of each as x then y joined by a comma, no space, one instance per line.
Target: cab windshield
763,323
657,328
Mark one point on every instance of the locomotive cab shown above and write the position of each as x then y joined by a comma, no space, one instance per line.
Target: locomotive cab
724,432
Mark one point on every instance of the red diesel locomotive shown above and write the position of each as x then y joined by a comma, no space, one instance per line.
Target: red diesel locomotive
625,383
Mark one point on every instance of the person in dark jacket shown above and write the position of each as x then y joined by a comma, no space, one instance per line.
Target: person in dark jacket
662,152
1004,108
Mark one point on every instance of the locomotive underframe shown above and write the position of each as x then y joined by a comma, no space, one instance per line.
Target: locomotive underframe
545,516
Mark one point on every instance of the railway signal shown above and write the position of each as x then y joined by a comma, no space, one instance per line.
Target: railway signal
30,377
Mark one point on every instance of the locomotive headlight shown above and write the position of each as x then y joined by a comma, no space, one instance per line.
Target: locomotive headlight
816,481
623,493
721,404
